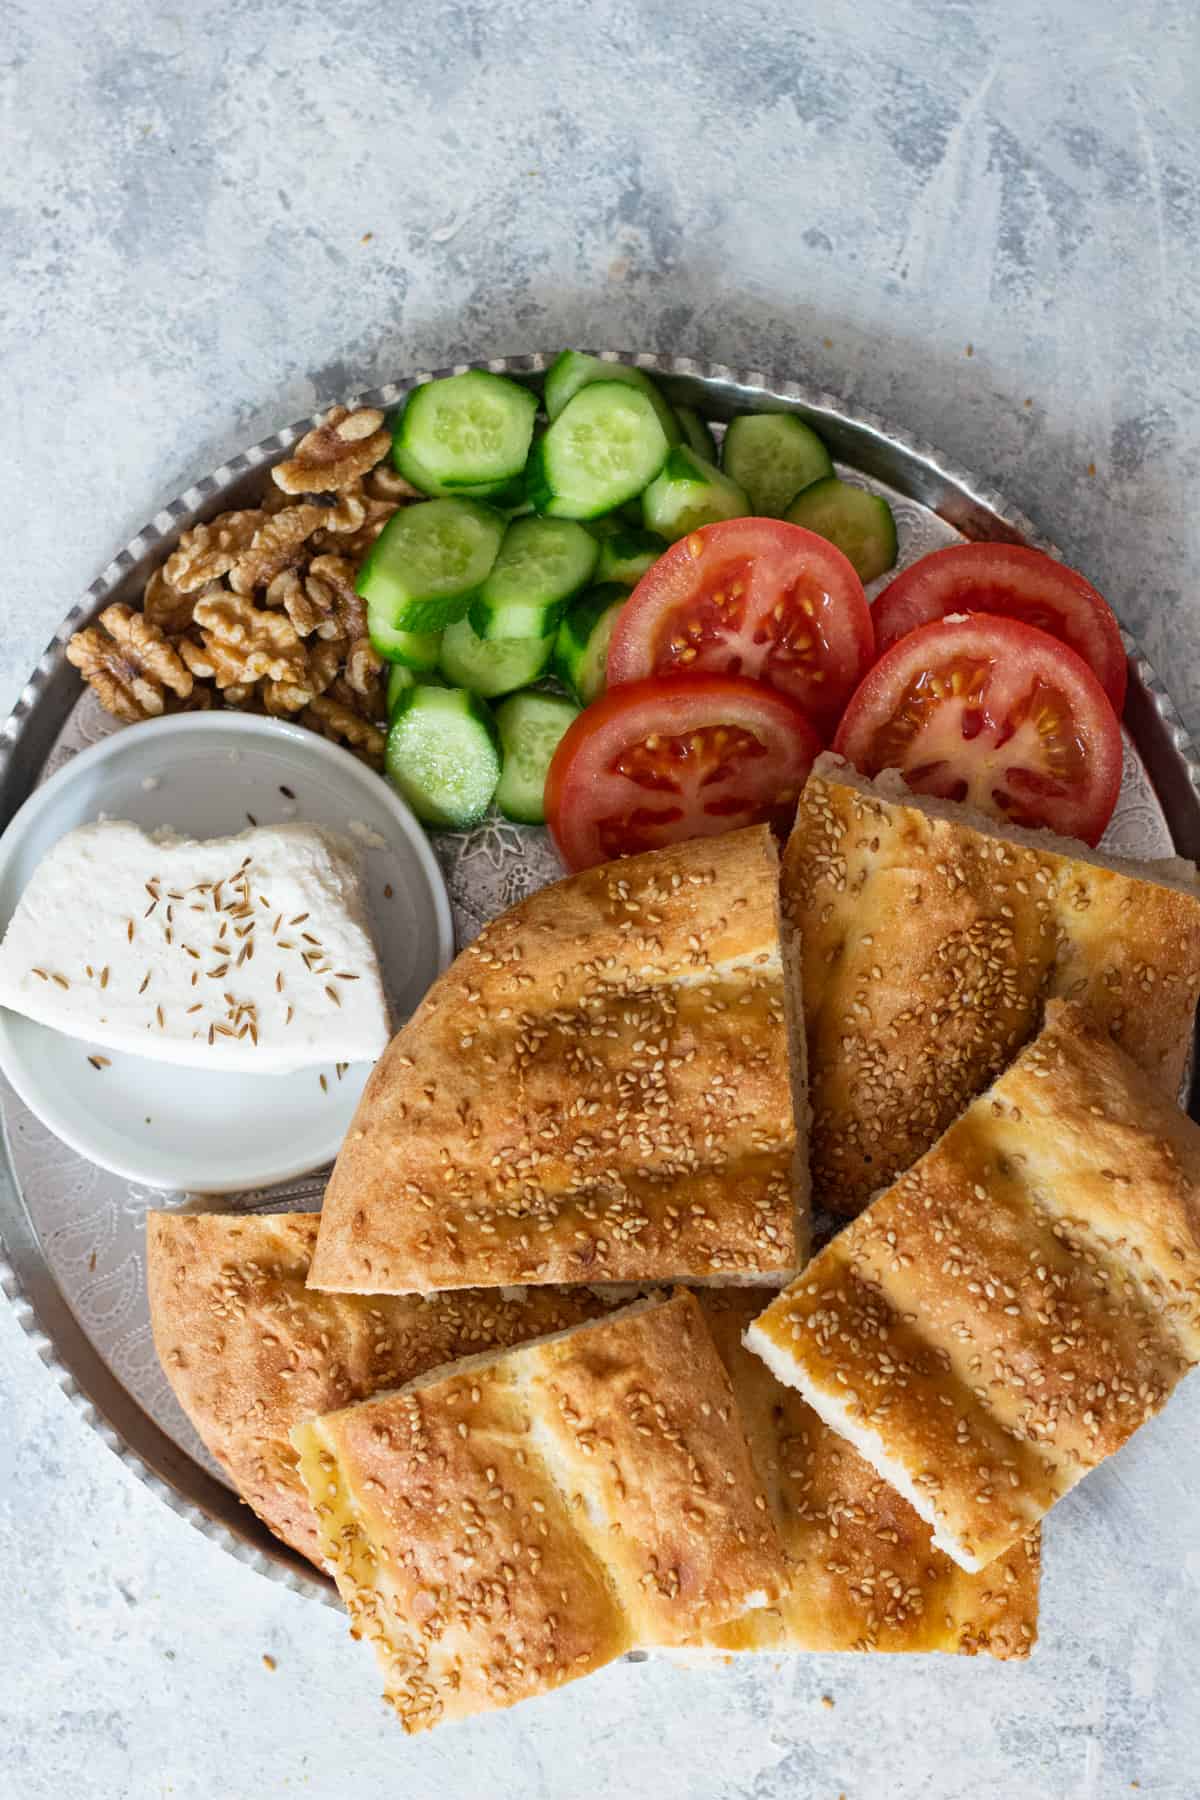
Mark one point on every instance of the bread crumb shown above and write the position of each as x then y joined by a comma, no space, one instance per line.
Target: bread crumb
269,1663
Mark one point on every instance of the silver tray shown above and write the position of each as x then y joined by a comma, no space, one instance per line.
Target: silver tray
73,1234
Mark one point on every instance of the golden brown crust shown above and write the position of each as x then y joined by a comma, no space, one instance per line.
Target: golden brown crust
494,1530
928,948
250,1351
863,1571
1019,1302
597,1090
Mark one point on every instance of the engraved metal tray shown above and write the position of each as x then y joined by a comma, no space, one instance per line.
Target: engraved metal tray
73,1234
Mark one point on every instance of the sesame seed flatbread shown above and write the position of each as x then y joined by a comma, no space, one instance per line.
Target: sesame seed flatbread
1010,1311
929,939
250,1351
599,1089
506,1525
863,1572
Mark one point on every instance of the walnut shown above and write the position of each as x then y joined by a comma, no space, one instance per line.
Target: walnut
333,719
355,544
336,454
382,493
168,607
280,541
323,600
323,659
241,643
364,667
386,483
207,552
129,664
242,695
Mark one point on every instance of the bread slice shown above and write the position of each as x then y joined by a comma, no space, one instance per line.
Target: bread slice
598,1090
930,938
863,1573
505,1525
250,1351
1009,1312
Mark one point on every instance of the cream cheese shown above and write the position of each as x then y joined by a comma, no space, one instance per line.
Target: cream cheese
249,952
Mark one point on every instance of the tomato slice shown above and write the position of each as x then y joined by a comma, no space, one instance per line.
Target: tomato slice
1012,582
994,713
681,756
752,597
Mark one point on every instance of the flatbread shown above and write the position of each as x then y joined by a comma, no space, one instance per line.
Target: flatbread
510,1523
930,938
1010,1311
863,1573
250,1351
598,1090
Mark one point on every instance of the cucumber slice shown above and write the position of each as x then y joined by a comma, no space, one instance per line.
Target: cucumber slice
416,650
860,524
542,562
696,434
443,755
492,666
690,493
574,370
400,680
427,564
626,555
466,432
581,648
773,456
602,449
530,726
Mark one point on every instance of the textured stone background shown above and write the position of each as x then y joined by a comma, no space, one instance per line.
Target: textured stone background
978,219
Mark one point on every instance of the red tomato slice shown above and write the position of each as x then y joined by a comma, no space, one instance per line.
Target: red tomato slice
996,714
1012,582
684,756
751,597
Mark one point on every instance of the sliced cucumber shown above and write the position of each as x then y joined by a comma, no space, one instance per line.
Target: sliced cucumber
581,648
542,562
626,555
466,433
491,666
443,755
860,524
696,434
417,650
574,370
773,456
530,726
426,565
400,680
690,493
602,449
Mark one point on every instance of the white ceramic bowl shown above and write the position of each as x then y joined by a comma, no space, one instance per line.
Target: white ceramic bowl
207,775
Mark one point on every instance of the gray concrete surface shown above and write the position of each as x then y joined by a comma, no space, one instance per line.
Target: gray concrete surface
978,219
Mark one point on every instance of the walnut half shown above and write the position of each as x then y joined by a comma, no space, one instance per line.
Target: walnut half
335,720
129,664
336,454
240,643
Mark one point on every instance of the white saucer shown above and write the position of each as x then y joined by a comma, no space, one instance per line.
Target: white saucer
208,775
